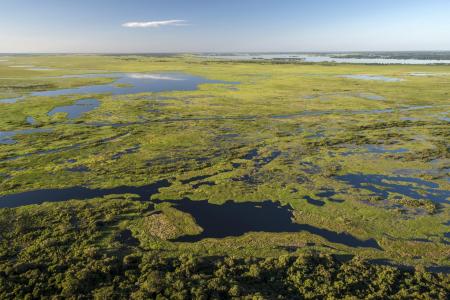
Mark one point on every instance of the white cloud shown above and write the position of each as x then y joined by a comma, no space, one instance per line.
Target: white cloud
155,24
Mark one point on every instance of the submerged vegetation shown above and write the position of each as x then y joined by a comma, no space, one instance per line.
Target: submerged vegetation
260,179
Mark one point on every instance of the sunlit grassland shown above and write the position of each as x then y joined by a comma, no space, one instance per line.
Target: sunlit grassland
207,132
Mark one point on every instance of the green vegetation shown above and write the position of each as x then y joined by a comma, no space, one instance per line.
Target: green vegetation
82,250
286,132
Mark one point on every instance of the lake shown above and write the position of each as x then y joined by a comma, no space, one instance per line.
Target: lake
237,218
310,58
76,110
129,83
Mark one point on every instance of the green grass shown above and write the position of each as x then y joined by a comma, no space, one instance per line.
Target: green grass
175,146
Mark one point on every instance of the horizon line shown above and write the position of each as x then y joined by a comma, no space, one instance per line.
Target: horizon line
215,52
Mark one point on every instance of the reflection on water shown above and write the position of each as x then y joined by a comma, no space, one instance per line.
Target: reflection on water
372,77
9,100
78,192
131,83
217,221
78,169
75,111
30,120
380,149
376,149
311,58
370,96
131,150
7,137
382,185
236,219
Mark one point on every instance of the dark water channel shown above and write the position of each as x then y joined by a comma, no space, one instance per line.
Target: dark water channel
217,221
376,149
78,192
382,185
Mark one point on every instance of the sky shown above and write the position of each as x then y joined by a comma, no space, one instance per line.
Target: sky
138,26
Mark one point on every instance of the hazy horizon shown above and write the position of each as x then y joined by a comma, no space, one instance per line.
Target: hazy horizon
221,52
199,26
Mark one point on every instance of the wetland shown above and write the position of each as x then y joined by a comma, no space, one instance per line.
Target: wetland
126,155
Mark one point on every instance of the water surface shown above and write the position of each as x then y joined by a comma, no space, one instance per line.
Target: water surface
236,219
7,137
30,120
373,78
377,149
79,193
311,58
131,83
370,96
380,149
9,100
382,185
76,110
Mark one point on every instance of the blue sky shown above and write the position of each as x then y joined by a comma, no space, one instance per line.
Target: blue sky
228,25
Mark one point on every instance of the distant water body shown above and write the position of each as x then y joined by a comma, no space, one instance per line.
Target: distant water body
128,83
324,58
